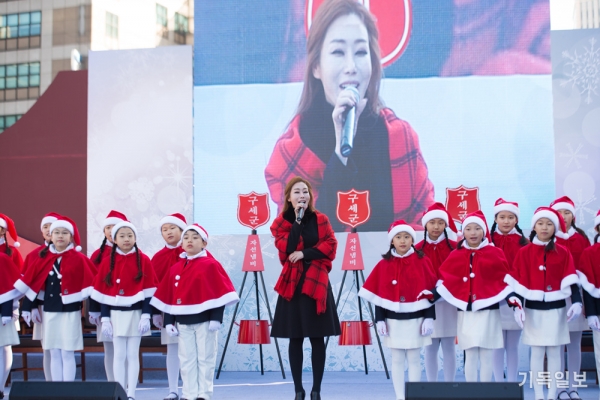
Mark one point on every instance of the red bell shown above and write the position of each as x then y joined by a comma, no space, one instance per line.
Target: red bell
355,333
254,331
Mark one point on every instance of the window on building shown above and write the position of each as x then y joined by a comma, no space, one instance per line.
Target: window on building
112,25
6,121
162,21
20,31
182,28
19,81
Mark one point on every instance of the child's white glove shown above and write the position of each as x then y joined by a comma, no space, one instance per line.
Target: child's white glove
594,323
6,320
382,328
427,327
95,318
26,317
214,326
171,330
107,329
519,315
574,311
144,325
36,317
157,320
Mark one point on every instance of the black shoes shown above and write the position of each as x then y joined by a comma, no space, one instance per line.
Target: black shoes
300,395
315,396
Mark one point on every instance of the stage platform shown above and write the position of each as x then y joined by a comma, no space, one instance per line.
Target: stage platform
336,386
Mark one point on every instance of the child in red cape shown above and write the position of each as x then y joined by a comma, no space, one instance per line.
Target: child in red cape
62,277
437,246
507,236
103,252
399,287
193,296
9,274
123,286
472,279
8,226
544,275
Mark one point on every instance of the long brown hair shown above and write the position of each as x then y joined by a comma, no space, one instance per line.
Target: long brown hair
288,191
327,13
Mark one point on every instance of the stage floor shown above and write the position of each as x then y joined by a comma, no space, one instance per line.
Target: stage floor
336,386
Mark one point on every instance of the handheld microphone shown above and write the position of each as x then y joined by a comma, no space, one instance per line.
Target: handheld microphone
300,212
348,129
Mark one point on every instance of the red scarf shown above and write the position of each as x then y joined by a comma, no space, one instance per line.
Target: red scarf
412,191
317,277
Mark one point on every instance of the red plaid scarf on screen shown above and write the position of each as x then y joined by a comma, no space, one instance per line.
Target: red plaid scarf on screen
412,190
317,276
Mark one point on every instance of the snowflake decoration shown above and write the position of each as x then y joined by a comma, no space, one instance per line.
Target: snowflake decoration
141,189
581,207
177,174
573,156
584,70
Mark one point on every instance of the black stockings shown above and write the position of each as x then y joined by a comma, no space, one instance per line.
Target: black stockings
318,362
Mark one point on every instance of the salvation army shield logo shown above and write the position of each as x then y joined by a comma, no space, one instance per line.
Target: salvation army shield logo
253,209
353,207
394,22
461,201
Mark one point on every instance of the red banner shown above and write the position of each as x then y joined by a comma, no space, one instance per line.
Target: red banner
353,259
253,260
353,207
394,22
461,201
253,209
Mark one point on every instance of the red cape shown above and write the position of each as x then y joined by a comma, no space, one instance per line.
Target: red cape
533,283
412,190
589,270
77,276
125,290
487,285
437,253
9,274
189,289
16,255
576,244
394,284
509,244
31,258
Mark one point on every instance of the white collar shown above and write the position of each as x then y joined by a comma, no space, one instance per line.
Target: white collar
539,242
438,240
119,251
481,245
408,253
168,246
513,231
109,243
201,254
1,240
571,231
54,251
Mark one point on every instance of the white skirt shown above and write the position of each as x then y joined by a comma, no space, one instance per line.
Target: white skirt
480,329
580,323
444,324
62,330
100,337
545,327
405,334
125,323
8,335
507,317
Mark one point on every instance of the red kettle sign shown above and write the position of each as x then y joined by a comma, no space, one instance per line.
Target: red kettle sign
394,22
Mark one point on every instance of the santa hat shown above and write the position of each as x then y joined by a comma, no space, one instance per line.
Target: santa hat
597,219
437,210
9,225
175,219
401,226
503,205
122,224
478,218
197,228
49,218
113,218
563,203
555,217
68,224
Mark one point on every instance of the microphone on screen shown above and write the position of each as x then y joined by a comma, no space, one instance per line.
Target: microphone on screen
349,124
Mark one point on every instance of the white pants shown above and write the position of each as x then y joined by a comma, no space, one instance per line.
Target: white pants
198,356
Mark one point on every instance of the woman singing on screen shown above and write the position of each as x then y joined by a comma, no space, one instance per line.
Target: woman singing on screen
343,51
